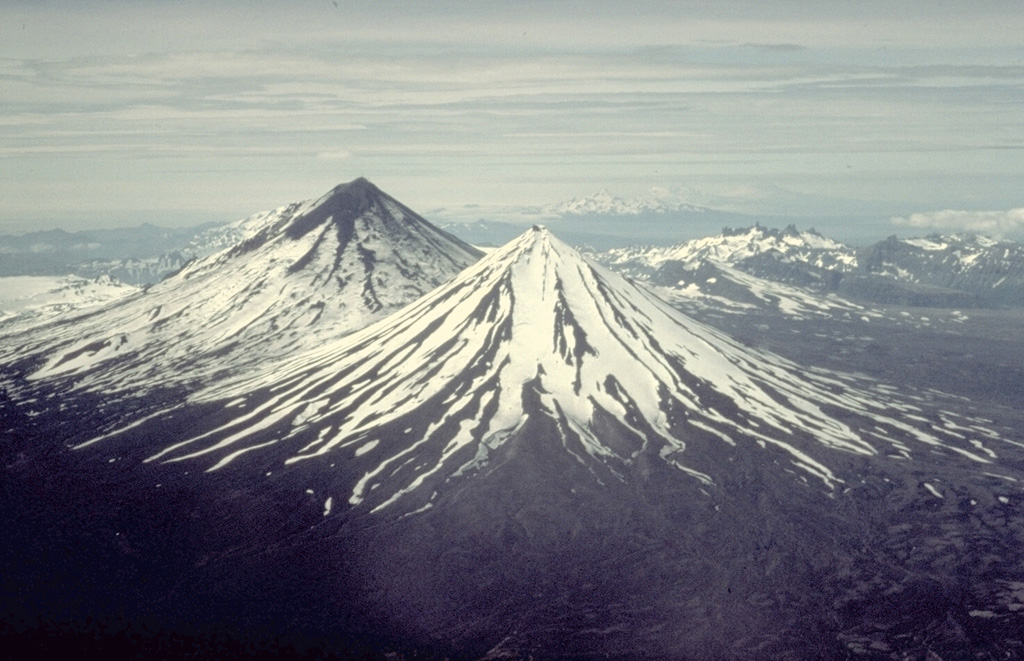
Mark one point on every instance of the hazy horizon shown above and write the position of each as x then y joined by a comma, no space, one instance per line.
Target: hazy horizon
121,113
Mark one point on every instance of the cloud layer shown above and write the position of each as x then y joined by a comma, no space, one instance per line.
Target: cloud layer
998,224
241,106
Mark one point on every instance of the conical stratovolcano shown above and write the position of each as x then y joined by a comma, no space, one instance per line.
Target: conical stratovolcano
308,273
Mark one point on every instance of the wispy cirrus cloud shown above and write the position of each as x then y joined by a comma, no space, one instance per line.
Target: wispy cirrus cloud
337,155
510,102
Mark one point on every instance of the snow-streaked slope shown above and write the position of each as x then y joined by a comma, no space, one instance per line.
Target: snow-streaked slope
134,271
445,388
306,274
729,290
222,237
150,270
37,299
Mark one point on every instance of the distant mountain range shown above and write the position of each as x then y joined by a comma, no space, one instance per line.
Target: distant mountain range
136,256
942,268
604,203
37,299
350,433
57,252
937,271
629,235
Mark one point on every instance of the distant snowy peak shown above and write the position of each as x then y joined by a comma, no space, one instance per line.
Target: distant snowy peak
534,344
307,273
604,203
733,246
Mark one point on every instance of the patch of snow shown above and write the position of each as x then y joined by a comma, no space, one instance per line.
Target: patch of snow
360,451
34,300
927,244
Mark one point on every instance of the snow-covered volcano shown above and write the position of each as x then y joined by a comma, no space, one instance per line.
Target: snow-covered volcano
445,389
537,458
307,273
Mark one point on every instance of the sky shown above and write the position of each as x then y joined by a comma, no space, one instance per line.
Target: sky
908,115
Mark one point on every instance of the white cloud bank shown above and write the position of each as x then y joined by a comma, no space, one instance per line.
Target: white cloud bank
992,223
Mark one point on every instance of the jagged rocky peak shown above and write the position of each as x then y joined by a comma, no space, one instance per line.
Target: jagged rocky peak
793,230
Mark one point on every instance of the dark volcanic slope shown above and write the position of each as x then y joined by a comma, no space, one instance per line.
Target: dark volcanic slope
539,458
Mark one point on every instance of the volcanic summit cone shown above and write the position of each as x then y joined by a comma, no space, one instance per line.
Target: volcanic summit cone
308,273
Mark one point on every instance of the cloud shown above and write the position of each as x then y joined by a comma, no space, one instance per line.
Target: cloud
337,155
777,48
993,223
512,101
